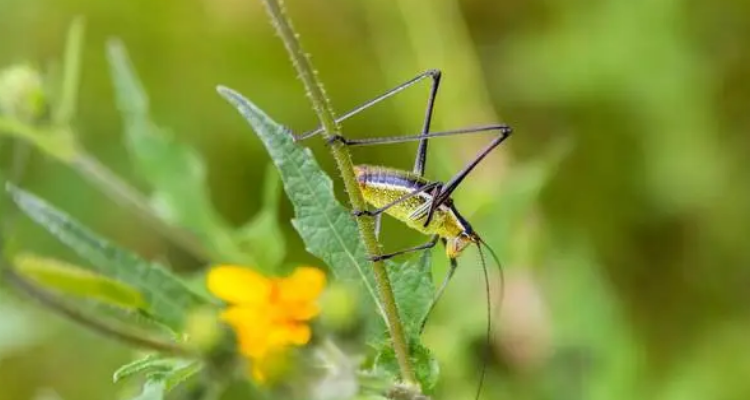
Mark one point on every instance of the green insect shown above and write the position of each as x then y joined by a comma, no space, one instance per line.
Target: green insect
408,196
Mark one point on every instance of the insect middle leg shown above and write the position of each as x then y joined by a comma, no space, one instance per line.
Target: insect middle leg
420,247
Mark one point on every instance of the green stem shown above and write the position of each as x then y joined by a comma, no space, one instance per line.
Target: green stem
343,159
104,179
119,191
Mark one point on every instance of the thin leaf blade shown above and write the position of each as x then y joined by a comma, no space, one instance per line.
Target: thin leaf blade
175,171
138,366
74,280
71,73
166,294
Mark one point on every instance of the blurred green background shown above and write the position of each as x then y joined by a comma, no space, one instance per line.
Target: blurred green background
620,207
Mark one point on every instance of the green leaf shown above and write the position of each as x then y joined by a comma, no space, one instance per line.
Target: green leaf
145,364
184,371
168,298
426,367
71,78
162,374
326,227
175,171
152,390
74,280
263,235
171,371
414,292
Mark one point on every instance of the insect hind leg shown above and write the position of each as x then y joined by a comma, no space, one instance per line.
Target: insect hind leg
434,74
504,131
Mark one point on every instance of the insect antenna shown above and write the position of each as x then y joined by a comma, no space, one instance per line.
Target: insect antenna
499,267
488,332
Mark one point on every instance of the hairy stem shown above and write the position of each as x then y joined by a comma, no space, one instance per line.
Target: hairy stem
343,159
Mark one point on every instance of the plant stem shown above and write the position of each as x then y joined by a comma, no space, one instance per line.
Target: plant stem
119,191
343,159
107,181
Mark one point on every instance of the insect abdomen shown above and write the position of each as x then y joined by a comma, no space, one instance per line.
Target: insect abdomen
380,186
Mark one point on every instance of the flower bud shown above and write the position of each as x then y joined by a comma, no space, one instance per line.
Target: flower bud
22,94
203,329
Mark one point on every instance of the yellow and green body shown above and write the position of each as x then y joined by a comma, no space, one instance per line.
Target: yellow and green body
381,186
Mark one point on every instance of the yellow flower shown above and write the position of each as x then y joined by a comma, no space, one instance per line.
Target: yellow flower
268,315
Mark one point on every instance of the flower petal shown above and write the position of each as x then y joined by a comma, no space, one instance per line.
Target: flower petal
252,327
302,311
304,285
299,334
238,285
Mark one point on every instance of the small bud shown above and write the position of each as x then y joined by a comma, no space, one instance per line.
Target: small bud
203,329
22,94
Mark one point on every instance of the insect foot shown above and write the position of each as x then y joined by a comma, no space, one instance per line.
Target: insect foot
336,138
380,257
359,213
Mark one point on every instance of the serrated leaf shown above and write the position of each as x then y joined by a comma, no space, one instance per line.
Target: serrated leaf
414,291
326,227
262,234
168,298
426,367
174,170
73,280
